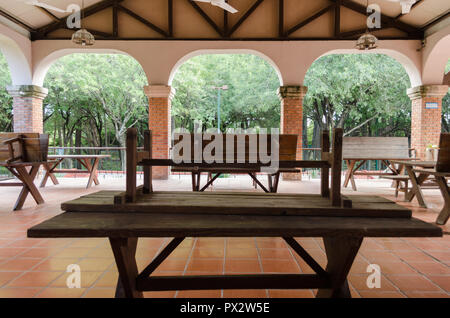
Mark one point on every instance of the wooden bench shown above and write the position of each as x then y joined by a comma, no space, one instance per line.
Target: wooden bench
440,173
342,222
287,151
358,150
22,154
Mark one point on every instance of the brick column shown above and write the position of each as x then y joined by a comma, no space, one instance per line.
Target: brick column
426,113
27,107
292,118
159,100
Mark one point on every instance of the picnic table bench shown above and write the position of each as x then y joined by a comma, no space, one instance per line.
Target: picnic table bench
358,150
287,151
342,222
90,162
22,154
420,171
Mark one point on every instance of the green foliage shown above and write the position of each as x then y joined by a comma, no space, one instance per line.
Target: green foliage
363,93
5,98
446,106
85,87
250,102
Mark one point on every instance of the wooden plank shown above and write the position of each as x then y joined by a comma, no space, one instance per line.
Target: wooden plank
310,19
229,203
131,164
259,281
375,148
443,160
73,224
325,172
245,16
336,167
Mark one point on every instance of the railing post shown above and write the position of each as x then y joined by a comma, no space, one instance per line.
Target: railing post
131,164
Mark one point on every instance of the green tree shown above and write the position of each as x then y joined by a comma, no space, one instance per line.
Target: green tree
5,98
363,93
250,102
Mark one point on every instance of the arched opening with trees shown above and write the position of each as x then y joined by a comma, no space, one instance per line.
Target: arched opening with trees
365,94
250,101
93,99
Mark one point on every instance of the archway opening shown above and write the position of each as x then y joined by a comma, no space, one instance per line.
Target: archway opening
249,101
6,102
365,94
92,100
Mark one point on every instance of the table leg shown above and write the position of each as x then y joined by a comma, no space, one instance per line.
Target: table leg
49,173
445,212
269,182
349,174
277,181
341,252
124,250
28,186
416,190
92,170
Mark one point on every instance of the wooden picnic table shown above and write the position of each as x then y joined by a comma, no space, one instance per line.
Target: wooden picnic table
358,150
90,162
272,178
229,214
419,172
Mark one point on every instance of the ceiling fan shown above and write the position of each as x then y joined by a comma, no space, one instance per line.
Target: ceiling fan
43,5
406,5
220,3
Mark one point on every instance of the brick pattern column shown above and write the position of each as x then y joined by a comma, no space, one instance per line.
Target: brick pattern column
160,99
27,107
292,118
426,116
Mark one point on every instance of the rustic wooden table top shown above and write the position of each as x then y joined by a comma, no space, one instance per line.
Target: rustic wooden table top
77,156
238,203
416,163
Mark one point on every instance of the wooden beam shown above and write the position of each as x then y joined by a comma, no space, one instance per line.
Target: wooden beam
170,16
96,33
115,21
245,16
206,17
349,34
388,21
61,24
16,21
310,19
281,18
435,20
337,19
142,20
225,22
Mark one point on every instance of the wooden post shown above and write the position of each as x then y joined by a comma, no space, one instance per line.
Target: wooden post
325,173
148,187
131,164
336,167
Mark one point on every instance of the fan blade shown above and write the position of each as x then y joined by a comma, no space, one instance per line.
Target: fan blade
207,1
226,7
49,7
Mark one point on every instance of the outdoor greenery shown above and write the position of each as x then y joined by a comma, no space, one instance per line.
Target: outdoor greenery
250,101
94,98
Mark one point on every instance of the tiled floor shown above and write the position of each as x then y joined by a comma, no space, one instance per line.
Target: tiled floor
37,267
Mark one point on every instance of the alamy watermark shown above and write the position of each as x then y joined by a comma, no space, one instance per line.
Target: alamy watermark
231,147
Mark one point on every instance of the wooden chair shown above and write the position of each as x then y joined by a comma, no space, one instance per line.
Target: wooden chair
440,173
22,155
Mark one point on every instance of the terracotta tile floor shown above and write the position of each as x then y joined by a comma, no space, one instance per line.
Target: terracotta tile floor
415,267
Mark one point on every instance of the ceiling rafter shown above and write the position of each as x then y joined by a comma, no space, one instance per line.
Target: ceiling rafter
206,17
16,21
389,21
245,16
310,19
142,20
86,12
